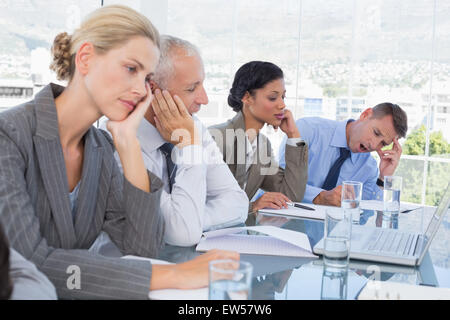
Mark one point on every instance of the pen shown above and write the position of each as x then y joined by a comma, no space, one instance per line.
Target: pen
300,206
409,210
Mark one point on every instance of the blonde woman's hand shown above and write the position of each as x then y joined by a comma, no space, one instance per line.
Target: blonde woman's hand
126,129
125,139
288,125
192,274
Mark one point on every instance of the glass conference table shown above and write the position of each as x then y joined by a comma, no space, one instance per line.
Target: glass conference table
281,277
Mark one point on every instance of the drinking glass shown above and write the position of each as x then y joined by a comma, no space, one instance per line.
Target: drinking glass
230,280
334,284
337,236
391,195
350,199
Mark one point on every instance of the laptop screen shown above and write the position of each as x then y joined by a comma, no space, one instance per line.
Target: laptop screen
438,215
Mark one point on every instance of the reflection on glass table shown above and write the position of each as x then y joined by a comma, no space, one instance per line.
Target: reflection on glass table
334,284
277,277
415,221
267,286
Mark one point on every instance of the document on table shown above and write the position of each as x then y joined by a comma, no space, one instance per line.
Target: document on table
317,214
274,241
378,205
172,294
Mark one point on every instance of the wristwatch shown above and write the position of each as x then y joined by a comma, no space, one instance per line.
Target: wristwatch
380,183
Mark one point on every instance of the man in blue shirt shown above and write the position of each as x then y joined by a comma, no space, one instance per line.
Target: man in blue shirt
340,151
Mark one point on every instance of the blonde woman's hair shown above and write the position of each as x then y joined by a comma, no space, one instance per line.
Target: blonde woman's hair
106,28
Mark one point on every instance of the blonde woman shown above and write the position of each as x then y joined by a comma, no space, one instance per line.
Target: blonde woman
59,184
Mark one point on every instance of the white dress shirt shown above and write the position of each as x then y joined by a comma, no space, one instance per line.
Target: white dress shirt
205,195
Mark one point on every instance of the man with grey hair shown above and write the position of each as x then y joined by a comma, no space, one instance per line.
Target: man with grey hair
199,195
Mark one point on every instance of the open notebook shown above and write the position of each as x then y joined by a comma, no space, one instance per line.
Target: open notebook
262,240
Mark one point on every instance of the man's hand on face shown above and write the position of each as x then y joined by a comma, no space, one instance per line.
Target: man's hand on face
389,159
172,119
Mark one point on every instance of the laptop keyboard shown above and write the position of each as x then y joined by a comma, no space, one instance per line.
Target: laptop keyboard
392,242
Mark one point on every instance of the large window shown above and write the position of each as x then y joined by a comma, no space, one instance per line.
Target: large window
27,30
339,57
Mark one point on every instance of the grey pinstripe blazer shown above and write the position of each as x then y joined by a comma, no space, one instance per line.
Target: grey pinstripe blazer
290,181
35,208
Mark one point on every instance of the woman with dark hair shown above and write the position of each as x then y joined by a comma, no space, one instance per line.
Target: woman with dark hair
257,96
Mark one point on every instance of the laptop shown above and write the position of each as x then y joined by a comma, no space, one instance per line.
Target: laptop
392,245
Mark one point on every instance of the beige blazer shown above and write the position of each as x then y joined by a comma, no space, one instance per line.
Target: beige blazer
264,172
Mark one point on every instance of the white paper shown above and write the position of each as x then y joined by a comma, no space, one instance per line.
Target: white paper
378,205
318,213
172,294
278,242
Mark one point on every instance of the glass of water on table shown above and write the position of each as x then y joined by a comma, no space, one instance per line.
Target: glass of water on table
350,199
391,196
337,237
230,280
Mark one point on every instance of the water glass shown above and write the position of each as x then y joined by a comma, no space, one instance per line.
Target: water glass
350,199
230,280
334,284
391,195
337,236
390,222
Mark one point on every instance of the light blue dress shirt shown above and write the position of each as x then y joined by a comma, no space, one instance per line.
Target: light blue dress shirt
324,138
73,196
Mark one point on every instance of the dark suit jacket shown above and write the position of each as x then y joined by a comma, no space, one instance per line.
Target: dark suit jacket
265,172
36,213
